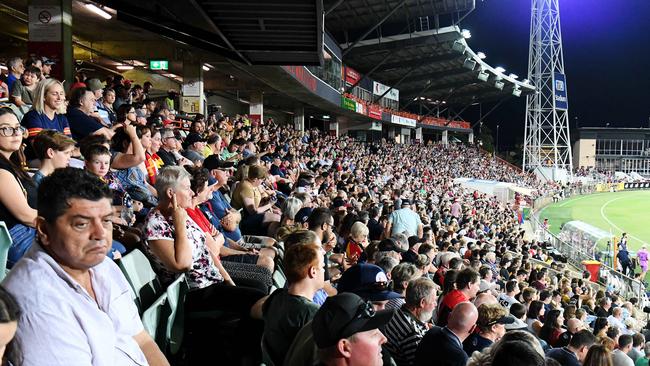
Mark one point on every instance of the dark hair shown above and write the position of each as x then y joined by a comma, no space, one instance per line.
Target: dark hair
466,277
517,353
34,71
318,217
624,340
120,140
10,312
600,323
76,95
511,285
518,310
108,90
550,324
17,159
613,332
582,338
534,308
198,179
450,281
95,150
638,339
91,140
141,130
484,271
50,139
122,112
56,191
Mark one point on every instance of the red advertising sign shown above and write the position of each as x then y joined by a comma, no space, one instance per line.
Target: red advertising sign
305,78
351,76
374,111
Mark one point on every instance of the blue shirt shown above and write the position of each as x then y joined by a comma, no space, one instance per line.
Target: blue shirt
11,79
36,122
81,124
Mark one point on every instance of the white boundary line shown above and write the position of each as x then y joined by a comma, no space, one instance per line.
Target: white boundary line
602,214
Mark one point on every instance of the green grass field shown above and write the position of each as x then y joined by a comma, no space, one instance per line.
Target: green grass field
617,212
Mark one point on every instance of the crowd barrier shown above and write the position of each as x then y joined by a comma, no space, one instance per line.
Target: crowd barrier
612,279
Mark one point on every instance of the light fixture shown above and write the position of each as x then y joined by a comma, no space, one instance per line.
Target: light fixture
207,67
466,33
459,46
526,81
499,85
500,69
326,116
483,76
124,67
481,55
99,11
513,76
516,92
469,64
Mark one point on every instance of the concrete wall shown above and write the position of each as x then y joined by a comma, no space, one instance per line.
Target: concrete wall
228,106
584,153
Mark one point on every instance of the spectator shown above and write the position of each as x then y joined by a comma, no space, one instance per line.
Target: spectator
491,322
169,149
129,161
598,355
46,68
194,145
287,310
533,317
619,356
48,110
82,117
106,107
507,298
600,327
257,219
346,329
467,286
604,307
404,220
16,69
74,236
573,326
18,194
368,281
552,328
444,344
406,329
22,94
643,361
152,161
401,275
518,311
638,342
357,243
575,353
54,150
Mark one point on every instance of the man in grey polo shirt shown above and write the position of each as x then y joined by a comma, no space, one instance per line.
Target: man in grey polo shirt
76,305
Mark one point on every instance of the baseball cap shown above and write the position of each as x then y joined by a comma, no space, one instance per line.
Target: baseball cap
342,316
487,318
214,162
47,61
389,244
303,214
94,85
406,202
368,281
193,137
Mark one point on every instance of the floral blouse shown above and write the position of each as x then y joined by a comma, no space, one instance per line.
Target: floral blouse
203,272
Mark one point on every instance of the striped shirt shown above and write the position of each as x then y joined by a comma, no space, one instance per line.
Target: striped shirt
404,332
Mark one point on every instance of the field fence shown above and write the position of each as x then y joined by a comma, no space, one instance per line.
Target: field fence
611,278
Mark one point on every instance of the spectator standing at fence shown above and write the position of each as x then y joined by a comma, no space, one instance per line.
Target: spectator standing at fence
624,256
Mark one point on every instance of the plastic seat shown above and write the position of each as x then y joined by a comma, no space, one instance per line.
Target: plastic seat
154,320
144,281
176,319
5,243
279,279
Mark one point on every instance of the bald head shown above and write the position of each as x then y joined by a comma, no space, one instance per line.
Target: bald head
574,325
462,319
484,298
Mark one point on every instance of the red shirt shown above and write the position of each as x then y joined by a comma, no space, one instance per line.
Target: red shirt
448,303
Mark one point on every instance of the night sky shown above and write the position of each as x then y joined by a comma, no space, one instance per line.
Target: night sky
606,46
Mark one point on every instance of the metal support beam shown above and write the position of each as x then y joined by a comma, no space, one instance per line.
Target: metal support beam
386,57
488,113
457,114
334,6
427,87
215,29
379,23
395,85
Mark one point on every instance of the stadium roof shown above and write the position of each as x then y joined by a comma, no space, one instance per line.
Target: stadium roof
434,65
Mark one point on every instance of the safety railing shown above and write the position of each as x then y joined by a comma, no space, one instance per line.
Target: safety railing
612,279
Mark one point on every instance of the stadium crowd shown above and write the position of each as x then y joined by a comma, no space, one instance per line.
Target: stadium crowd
386,259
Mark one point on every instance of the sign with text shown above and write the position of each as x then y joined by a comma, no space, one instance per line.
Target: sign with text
559,92
159,65
45,23
348,104
351,76
374,111
399,120
380,89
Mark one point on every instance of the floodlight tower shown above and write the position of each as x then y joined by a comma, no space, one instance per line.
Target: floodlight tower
547,147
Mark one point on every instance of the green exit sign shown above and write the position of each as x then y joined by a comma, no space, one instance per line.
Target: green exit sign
159,65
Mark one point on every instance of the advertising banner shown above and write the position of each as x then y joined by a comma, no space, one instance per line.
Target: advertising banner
399,120
559,92
348,104
641,185
380,89
374,111
351,76
361,108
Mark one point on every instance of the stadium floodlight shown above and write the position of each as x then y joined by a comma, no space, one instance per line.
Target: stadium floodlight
99,11
459,47
499,69
481,55
516,92
526,81
466,33
207,67
513,76
499,84
469,64
483,76
124,67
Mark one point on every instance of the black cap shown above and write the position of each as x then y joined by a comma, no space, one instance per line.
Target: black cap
193,137
389,244
368,281
214,162
342,316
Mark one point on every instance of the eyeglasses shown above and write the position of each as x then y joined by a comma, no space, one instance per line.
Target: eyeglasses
131,112
12,131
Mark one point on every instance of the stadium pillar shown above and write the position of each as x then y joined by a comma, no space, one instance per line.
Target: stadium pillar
191,100
470,138
256,112
50,35
418,135
391,133
334,128
299,118
445,137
